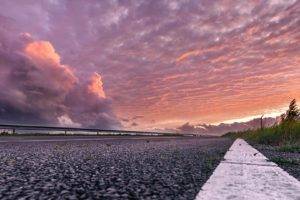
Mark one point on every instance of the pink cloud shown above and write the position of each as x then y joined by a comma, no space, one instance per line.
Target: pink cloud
38,89
96,85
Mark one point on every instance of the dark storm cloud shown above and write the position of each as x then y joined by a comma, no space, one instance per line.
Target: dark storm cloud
36,88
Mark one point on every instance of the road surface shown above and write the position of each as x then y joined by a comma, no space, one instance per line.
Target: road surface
88,167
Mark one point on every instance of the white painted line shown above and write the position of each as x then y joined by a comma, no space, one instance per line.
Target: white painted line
247,174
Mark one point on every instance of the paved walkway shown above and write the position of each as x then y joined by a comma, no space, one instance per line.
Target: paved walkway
247,174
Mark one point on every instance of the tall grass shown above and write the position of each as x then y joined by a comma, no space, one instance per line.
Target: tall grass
287,133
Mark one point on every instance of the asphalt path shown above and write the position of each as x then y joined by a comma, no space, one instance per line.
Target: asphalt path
70,138
118,167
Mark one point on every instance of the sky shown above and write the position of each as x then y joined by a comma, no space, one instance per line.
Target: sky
147,65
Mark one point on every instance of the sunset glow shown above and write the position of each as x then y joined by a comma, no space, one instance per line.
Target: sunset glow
147,65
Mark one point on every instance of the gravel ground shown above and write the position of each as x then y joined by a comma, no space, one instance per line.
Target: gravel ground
112,169
288,161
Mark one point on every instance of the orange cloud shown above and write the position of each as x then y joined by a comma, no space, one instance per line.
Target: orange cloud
187,54
96,86
42,51
45,58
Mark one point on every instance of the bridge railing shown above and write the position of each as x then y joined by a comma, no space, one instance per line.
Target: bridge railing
10,129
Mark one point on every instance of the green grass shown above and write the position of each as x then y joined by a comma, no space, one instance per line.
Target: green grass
285,134
290,148
284,161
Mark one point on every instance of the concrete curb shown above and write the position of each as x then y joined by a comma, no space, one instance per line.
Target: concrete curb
245,173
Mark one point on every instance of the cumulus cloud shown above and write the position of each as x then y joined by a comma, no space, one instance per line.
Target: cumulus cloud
91,108
96,86
36,88
65,121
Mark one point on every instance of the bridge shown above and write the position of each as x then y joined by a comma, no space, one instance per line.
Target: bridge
15,128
